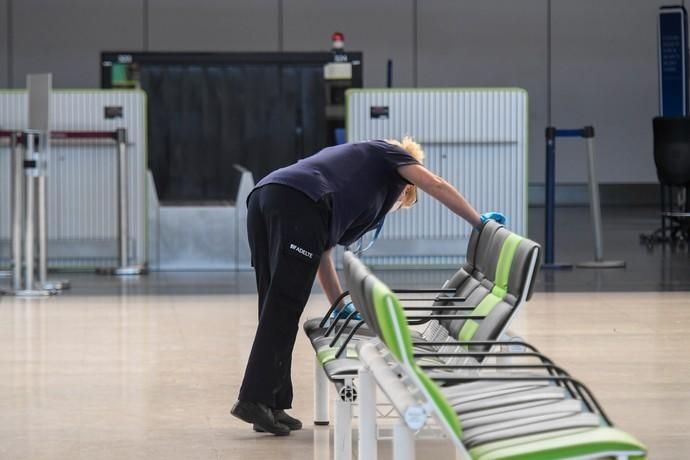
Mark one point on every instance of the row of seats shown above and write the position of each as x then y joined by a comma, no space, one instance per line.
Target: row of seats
482,298
501,413
475,305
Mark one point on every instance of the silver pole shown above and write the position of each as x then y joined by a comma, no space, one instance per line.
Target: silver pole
35,166
30,165
17,208
595,210
594,205
41,216
43,158
122,211
30,214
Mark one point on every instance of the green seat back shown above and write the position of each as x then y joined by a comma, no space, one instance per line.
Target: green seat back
396,336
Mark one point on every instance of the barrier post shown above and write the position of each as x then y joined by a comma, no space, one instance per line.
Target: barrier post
39,88
17,207
31,164
595,210
550,203
30,169
595,207
10,136
43,154
123,268
41,215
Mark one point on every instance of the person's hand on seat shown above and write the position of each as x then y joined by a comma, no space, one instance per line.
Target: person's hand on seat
345,311
492,215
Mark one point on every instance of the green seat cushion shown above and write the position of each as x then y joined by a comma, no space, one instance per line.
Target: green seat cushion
561,444
327,354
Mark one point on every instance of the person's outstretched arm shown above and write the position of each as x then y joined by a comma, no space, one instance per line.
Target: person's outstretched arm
441,190
328,277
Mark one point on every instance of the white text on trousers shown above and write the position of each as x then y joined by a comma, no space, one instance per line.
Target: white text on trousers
304,252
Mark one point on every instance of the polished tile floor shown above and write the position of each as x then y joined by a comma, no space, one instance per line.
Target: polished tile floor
153,376
149,367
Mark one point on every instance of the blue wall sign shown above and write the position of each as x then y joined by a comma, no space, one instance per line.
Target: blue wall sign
673,62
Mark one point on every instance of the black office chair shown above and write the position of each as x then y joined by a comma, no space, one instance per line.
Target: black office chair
672,159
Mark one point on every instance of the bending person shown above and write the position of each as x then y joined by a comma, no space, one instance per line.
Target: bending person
296,215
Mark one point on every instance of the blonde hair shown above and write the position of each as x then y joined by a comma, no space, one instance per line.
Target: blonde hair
410,146
413,148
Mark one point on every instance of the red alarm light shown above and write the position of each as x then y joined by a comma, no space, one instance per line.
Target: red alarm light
338,40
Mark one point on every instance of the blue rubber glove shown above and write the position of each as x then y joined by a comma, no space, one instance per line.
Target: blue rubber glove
492,215
346,311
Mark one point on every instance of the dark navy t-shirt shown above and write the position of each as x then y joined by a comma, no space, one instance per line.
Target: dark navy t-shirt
361,178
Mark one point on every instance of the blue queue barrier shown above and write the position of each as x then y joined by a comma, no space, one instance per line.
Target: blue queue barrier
550,199
586,133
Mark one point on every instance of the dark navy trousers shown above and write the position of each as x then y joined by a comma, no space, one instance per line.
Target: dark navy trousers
288,233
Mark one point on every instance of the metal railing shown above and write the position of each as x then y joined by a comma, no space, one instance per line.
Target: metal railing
29,151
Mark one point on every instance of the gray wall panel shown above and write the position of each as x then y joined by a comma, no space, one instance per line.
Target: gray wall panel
3,44
488,43
213,25
475,139
604,53
81,184
381,29
604,74
65,37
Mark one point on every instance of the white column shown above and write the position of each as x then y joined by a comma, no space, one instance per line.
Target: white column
342,437
321,384
403,442
367,415
322,443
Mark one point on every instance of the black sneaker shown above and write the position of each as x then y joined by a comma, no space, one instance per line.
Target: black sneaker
261,416
282,417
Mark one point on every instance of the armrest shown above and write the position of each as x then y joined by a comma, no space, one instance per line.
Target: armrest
544,359
483,354
435,299
333,307
480,342
590,401
492,343
447,316
342,328
347,340
340,316
553,367
421,319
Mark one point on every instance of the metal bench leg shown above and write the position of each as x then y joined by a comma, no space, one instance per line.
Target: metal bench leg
321,384
322,443
367,415
403,442
342,437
